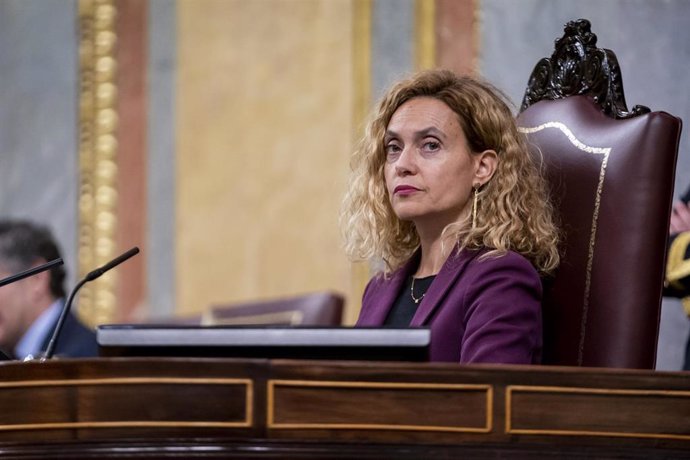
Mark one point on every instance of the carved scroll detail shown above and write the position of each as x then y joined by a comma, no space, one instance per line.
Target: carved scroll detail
576,67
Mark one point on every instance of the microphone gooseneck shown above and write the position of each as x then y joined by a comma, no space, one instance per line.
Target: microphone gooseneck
66,307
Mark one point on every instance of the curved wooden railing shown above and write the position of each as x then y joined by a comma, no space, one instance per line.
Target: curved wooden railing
233,408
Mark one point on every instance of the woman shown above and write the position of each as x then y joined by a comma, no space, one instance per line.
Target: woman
445,192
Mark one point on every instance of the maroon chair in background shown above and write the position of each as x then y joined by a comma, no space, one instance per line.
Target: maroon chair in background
313,309
611,175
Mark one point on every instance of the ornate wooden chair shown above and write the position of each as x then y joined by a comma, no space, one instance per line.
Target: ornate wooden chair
611,174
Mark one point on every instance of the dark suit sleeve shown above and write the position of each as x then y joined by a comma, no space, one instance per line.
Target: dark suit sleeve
75,340
503,321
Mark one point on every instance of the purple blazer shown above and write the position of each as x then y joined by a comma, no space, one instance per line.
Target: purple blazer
479,311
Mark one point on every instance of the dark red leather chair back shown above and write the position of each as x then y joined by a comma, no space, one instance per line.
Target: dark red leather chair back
611,175
313,309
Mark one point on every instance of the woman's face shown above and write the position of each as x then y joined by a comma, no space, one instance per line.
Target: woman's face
429,169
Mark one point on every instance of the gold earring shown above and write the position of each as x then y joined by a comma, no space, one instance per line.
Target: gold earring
474,205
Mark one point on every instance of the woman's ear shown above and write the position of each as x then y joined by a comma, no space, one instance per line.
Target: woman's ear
485,166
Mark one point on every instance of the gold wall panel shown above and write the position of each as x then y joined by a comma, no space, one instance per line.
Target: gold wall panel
98,169
361,26
425,34
264,114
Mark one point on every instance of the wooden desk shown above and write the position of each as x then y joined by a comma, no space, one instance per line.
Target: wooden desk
226,408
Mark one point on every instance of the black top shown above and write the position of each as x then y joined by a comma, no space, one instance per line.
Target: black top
405,306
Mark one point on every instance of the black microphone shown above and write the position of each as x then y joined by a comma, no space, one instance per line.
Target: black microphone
31,271
65,309
112,264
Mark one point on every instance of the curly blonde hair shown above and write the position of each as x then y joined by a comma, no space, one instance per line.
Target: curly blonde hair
514,211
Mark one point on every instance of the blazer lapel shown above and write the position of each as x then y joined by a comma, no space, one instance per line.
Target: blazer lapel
450,271
383,298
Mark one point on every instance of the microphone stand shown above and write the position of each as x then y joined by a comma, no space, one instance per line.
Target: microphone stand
66,308
61,320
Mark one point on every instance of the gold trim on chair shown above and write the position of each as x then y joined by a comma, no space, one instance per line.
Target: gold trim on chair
291,317
98,168
605,151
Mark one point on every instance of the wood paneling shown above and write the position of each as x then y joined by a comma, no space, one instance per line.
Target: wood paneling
319,409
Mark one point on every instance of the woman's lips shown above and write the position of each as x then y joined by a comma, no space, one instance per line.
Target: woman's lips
405,190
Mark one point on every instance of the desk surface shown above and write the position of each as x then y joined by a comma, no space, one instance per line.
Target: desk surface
317,409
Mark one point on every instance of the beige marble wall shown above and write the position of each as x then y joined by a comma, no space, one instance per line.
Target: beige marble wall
264,128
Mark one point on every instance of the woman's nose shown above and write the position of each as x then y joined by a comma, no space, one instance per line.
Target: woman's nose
405,164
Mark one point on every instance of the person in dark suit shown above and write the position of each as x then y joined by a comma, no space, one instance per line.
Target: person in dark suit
446,194
677,282
29,309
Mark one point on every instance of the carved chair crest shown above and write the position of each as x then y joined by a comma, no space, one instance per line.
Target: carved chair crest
576,67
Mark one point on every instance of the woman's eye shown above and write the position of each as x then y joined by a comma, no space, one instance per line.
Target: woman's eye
432,145
392,149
